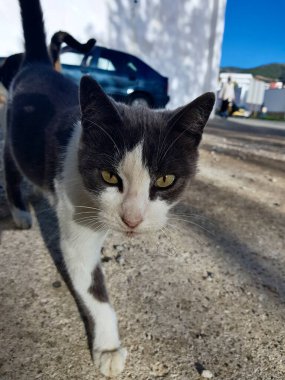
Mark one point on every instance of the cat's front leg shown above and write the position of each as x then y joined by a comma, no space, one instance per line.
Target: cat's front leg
81,250
111,361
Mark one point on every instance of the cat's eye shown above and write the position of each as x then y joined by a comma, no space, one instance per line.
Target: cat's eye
165,181
109,177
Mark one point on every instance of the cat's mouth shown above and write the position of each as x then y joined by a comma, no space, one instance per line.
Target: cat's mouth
133,232
129,232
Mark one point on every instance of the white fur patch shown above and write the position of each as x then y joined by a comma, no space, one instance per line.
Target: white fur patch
81,249
111,364
136,180
133,203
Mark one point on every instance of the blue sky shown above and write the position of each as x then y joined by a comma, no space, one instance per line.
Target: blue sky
254,33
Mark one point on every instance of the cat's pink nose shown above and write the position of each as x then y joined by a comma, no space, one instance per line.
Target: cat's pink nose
132,223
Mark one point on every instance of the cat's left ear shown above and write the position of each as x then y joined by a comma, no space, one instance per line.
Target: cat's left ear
192,118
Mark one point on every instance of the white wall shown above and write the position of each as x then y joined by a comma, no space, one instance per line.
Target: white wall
181,39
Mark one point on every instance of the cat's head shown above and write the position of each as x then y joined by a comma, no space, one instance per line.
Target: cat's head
134,161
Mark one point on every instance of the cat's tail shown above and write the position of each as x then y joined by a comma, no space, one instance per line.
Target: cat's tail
34,32
63,37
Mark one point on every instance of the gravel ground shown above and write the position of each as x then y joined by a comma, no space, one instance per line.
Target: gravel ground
207,294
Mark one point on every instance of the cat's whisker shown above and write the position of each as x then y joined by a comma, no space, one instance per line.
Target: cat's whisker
190,219
187,215
193,235
172,143
91,225
88,207
158,145
90,214
94,212
89,218
103,130
86,212
86,222
191,222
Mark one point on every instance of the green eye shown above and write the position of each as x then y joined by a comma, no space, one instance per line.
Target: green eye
109,177
165,181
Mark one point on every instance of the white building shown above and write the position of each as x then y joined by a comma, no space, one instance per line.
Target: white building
249,91
181,39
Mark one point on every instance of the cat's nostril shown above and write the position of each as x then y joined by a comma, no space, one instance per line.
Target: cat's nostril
131,223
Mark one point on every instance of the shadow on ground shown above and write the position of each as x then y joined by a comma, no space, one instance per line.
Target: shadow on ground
267,272
49,229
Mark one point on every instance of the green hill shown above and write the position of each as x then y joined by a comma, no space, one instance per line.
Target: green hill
272,70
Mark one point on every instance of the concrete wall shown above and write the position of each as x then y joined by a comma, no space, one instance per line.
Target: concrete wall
181,39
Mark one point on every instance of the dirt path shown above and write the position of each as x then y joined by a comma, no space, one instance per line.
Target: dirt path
211,296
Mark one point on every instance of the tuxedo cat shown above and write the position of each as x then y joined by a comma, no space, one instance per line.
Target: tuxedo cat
106,166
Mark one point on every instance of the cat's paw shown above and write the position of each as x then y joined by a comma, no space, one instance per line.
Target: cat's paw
22,218
111,363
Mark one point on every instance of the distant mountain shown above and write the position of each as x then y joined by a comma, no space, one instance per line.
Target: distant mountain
274,71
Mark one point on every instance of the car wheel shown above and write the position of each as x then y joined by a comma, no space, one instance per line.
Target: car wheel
140,100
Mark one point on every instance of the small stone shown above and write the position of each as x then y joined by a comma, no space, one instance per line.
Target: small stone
118,248
206,374
106,259
148,336
208,276
56,284
120,260
159,370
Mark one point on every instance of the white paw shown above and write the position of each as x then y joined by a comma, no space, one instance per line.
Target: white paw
111,363
22,219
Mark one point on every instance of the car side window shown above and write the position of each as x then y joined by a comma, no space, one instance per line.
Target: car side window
71,58
131,66
105,64
90,61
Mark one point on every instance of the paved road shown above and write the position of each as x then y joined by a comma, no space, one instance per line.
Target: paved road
258,127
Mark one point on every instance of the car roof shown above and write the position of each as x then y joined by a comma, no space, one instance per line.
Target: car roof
119,52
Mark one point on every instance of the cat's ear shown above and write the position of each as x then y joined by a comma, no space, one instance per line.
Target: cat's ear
192,118
94,102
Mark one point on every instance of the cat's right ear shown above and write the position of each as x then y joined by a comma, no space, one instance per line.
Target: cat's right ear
191,119
95,103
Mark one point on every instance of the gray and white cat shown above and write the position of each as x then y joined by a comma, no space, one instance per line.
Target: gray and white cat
106,166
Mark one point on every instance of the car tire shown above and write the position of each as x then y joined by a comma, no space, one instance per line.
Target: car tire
140,100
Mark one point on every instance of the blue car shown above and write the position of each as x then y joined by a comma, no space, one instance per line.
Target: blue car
123,76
